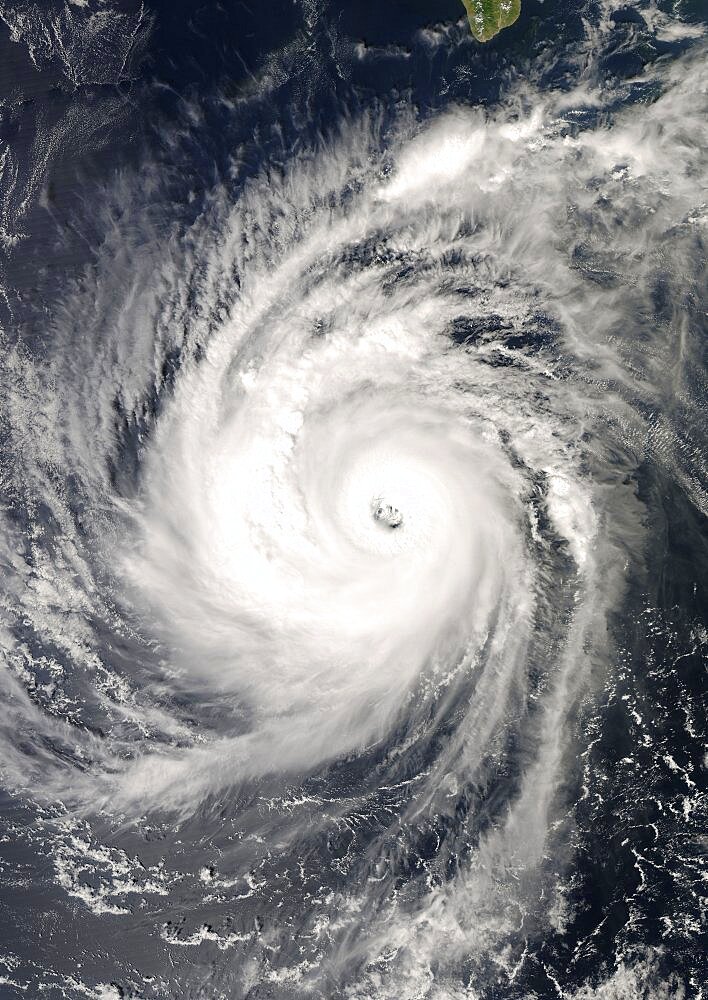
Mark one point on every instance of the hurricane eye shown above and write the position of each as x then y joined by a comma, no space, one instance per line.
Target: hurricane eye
388,515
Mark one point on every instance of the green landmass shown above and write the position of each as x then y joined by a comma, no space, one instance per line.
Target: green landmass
488,17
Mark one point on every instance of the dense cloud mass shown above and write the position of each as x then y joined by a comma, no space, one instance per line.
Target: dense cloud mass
330,513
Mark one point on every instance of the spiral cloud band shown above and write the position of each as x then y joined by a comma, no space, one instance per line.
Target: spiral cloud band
328,391
331,502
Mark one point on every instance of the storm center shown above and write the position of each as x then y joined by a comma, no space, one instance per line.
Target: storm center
386,513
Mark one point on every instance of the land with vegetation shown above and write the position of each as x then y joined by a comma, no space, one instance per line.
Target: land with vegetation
488,17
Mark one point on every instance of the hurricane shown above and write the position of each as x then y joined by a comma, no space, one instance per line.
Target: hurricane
353,537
